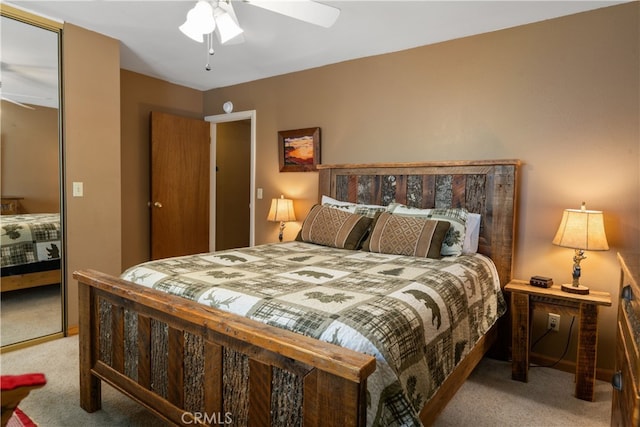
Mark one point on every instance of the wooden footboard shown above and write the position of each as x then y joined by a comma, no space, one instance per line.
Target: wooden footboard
30,280
174,357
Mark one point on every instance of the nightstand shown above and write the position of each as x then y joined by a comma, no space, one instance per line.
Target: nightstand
525,298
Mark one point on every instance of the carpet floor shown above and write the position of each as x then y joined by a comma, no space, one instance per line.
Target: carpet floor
488,398
30,313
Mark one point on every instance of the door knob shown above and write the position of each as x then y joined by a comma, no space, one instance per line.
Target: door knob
616,381
157,204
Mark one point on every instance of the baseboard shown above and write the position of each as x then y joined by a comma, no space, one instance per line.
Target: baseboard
568,366
30,343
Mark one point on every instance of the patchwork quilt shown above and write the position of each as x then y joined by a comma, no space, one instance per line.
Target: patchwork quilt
418,316
29,238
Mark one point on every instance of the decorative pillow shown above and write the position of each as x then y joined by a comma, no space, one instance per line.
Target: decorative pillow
366,210
406,235
472,234
453,242
333,227
326,200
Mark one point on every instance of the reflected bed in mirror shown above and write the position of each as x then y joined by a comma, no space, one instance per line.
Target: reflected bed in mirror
31,240
31,250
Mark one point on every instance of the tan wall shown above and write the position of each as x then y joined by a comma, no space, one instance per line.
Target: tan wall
91,71
561,95
30,157
140,95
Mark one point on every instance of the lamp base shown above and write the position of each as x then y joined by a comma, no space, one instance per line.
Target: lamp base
579,289
280,234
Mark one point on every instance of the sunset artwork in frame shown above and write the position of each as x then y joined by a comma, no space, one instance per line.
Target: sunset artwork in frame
299,149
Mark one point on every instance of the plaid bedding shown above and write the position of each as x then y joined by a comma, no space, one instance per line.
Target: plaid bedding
419,317
29,238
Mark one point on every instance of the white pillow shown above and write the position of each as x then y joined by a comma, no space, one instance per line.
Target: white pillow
326,200
472,234
362,209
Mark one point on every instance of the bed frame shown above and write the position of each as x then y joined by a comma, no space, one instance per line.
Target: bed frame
191,364
30,280
26,279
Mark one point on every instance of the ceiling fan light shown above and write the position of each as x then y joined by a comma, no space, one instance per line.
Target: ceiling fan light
199,21
227,27
188,30
227,22
204,17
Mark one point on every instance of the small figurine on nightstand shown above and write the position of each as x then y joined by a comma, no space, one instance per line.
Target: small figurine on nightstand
579,256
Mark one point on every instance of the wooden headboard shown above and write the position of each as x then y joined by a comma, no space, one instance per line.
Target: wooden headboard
487,187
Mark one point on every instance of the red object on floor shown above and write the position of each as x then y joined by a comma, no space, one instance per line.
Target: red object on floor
9,382
13,389
20,419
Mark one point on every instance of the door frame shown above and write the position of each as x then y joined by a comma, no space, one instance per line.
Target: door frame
224,118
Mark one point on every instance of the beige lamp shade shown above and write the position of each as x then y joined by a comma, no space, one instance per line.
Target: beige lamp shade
281,210
582,229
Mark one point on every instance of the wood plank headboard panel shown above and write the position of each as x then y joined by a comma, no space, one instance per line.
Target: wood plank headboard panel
487,187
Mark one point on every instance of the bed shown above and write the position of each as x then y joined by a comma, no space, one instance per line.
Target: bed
209,364
30,246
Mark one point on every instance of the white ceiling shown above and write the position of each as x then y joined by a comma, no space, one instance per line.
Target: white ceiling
29,71
151,43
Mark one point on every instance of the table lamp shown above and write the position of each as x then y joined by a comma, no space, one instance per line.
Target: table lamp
281,210
581,230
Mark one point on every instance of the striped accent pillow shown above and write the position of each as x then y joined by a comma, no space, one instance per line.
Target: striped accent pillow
457,217
405,235
337,228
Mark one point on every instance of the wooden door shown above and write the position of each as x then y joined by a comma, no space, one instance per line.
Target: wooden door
179,185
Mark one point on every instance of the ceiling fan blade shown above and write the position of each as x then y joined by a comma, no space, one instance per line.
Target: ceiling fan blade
304,10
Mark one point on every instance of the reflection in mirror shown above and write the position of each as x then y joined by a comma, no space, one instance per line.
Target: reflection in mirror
32,289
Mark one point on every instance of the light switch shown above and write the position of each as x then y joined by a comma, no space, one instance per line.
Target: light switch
78,190
259,195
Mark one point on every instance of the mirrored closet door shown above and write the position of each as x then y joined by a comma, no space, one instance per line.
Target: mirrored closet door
32,283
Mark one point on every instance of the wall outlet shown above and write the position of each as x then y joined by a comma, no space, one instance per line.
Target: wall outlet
553,322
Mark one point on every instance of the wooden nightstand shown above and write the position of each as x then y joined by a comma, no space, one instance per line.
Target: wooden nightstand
525,298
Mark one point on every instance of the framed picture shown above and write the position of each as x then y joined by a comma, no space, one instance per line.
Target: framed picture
299,150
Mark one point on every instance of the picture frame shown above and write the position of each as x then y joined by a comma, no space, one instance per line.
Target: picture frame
299,149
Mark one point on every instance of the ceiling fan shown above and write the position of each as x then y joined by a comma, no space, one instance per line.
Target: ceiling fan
218,16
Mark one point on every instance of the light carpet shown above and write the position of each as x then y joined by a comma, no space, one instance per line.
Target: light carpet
488,398
30,313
